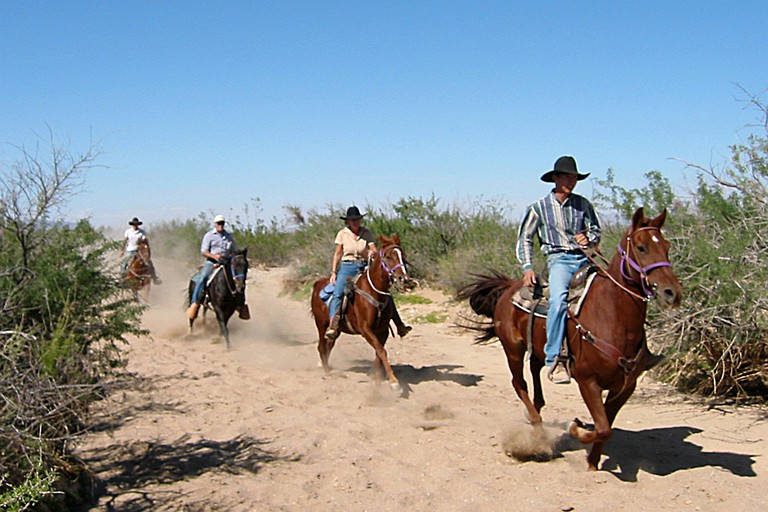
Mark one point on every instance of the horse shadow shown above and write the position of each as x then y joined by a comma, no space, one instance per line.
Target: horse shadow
661,451
408,375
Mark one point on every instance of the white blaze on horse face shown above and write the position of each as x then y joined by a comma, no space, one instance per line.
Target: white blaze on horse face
654,238
402,263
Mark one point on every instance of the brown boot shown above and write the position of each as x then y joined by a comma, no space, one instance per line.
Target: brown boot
192,310
653,360
333,330
244,313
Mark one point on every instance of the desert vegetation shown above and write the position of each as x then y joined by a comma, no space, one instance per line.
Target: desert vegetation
64,316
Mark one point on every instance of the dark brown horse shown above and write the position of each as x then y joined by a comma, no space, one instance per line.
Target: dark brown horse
607,339
371,308
225,291
138,273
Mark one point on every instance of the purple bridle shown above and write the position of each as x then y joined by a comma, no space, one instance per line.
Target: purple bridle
648,289
391,271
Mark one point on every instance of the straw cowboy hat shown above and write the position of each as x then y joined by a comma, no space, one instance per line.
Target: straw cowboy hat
135,222
353,213
563,165
218,218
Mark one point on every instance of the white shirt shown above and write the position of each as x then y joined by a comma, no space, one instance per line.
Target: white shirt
132,238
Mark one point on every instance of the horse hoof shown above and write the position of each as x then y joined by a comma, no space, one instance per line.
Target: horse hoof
395,386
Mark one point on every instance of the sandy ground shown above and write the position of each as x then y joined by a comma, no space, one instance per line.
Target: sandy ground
262,428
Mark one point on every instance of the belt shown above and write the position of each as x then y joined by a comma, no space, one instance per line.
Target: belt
569,251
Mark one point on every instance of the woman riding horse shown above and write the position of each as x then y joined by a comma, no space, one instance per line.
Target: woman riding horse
353,246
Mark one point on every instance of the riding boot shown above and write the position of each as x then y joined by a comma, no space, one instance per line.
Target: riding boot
333,330
192,310
243,312
402,329
653,360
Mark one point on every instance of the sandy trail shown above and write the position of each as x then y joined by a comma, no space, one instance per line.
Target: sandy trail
262,428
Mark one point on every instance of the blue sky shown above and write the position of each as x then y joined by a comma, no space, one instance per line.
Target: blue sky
203,106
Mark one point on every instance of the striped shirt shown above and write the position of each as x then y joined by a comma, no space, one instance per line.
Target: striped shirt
556,224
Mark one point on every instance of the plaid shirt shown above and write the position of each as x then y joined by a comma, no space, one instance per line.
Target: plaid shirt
556,224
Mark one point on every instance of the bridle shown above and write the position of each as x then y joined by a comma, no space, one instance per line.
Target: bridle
649,289
235,277
390,271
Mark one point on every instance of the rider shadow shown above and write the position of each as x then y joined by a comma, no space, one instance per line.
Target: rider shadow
663,451
408,375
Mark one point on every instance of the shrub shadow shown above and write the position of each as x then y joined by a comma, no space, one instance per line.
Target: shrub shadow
134,468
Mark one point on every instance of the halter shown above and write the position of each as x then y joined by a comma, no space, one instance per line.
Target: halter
626,260
390,271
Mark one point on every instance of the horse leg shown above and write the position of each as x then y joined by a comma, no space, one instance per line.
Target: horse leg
613,403
592,395
514,349
381,355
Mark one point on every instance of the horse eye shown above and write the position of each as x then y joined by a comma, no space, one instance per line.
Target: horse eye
642,248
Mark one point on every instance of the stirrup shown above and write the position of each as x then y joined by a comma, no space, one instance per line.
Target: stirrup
331,334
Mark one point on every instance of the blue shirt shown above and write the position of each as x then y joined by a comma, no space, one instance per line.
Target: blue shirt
556,224
218,243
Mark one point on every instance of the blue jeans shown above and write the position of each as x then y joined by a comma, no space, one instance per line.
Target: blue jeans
562,266
347,269
205,273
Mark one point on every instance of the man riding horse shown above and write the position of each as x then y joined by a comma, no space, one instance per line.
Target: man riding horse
564,223
217,245
131,239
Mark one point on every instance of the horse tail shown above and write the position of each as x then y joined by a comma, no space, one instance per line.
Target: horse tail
483,295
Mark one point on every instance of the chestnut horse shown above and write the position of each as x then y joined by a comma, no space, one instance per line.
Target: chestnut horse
370,309
607,340
138,273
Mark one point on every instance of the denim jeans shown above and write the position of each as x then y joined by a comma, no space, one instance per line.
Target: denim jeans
347,269
561,266
205,273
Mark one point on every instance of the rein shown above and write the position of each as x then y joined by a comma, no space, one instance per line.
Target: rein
606,348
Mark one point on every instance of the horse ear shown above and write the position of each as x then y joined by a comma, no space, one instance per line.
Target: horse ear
659,221
638,217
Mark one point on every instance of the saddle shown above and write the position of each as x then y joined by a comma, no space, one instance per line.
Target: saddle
536,302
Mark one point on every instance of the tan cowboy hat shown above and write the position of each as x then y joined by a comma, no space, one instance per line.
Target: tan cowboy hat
353,213
135,222
218,218
563,165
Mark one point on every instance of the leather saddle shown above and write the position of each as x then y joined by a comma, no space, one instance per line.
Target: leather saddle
538,297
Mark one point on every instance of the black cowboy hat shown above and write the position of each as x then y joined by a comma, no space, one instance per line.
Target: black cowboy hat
563,165
135,222
353,213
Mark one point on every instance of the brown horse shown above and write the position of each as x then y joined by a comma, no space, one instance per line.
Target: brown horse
607,339
138,273
371,307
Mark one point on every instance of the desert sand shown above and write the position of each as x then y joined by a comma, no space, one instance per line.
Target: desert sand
262,428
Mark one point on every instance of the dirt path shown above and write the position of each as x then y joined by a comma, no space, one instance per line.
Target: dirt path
262,428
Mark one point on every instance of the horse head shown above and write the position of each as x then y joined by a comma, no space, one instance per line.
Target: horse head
392,259
645,259
239,269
